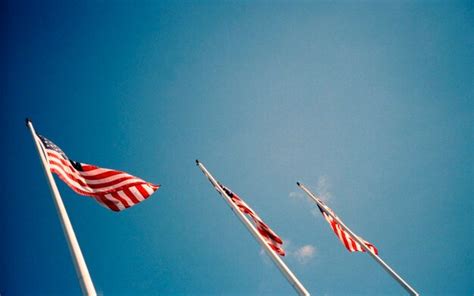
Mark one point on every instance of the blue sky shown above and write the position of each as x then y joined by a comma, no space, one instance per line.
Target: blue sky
369,104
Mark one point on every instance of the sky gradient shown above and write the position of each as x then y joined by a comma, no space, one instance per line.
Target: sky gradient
368,104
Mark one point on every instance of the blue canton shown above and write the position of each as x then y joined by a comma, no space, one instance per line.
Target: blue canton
51,146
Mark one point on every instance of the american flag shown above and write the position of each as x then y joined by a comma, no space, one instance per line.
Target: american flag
272,239
115,190
347,240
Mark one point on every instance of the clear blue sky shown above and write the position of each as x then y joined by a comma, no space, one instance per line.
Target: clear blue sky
369,104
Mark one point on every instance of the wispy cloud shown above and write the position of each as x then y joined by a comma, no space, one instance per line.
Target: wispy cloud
305,254
323,187
321,190
296,194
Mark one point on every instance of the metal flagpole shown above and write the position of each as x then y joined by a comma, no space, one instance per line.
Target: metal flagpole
300,289
80,265
385,266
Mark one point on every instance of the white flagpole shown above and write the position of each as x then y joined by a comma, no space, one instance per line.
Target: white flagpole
296,284
80,265
385,266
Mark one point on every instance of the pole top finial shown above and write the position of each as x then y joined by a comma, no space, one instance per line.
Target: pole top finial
27,120
298,183
197,162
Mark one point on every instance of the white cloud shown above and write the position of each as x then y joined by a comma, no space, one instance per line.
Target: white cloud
322,191
323,188
305,254
296,194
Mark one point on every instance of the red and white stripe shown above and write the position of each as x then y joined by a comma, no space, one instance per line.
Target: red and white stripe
272,239
350,243
115,190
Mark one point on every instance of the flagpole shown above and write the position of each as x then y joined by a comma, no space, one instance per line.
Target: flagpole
79,263
295,283
379,260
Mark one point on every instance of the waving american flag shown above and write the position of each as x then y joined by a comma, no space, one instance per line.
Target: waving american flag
346,239
272,239
115,190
